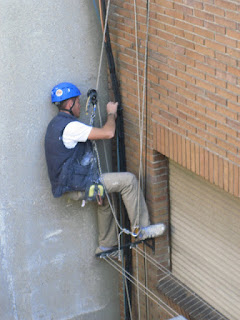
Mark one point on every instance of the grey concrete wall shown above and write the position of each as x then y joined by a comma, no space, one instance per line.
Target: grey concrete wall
48,269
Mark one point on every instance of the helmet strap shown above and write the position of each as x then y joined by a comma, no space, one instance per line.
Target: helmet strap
69,110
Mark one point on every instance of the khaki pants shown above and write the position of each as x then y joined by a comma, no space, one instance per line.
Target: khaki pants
127,185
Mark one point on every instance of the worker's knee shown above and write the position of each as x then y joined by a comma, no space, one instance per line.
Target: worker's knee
131,179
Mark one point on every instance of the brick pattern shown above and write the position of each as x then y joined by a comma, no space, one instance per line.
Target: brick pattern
193,94
193,82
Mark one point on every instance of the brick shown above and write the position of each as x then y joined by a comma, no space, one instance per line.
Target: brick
194,20
202,161
217,133
166,143
211,167
216,98
225,4
227,129
184,152
216,81
195,89
164,3
168,85
204,101
185,76
193,157
195,72
229,78
177,113
188,154
196,138
234,124
184,25
233,70
179,144
205,135
227,146
235,159
214,27
226,40
233,141
233,33
234,89
204,15
216,65
228,23
177,128
187,126
207,34
227,112
186,93
233,53
233,15
225,175
205,67
171,148
214,9
205,85
185,60
176,80
228,60
197,158
196,123
220,172
174,14
231,178
182,8
236,181
206,164
216,149
216,169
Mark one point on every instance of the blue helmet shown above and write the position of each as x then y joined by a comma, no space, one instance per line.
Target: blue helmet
64,91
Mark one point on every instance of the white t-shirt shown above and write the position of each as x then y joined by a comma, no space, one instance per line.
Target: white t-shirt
75,132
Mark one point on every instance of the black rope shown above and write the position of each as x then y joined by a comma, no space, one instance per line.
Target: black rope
121,158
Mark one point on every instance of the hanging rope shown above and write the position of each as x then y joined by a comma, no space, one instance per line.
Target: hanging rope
169,279
141,107
161,304
122,230
141,122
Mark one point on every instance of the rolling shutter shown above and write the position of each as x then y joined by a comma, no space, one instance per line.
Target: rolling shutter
205,223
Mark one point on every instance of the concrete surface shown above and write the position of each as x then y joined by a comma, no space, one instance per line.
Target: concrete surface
47,267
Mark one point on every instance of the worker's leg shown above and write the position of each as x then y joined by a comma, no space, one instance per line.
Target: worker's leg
127,184
107,228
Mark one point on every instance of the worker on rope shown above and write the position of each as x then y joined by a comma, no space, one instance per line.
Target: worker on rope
72,167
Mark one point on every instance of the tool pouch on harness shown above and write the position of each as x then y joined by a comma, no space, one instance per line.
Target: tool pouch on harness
95,191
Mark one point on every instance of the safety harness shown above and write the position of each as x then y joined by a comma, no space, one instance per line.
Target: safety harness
95,191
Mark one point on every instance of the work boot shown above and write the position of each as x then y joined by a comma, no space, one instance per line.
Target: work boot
152,231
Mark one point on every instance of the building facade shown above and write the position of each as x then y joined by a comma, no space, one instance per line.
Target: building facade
178,69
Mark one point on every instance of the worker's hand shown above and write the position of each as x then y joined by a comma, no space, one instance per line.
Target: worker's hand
112,108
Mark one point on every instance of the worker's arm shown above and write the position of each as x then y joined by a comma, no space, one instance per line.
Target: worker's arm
108,130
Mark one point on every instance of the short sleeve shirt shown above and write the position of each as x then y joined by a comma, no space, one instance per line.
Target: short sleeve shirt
75,132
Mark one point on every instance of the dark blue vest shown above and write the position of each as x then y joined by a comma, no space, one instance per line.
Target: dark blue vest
68,169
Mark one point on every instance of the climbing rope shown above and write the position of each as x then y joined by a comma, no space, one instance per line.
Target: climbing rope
167,274
141,122
111,202
161,304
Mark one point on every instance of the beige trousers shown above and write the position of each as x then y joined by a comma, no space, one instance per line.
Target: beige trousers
126,184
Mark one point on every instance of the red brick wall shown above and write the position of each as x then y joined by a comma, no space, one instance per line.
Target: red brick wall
193,83
193,93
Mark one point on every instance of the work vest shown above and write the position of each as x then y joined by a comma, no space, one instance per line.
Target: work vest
68,169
